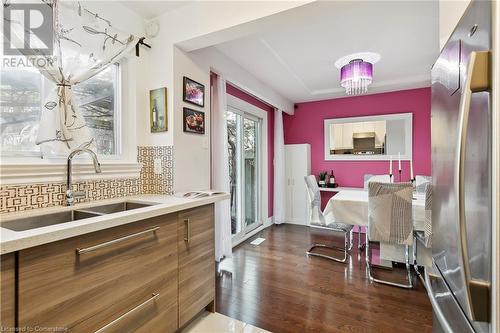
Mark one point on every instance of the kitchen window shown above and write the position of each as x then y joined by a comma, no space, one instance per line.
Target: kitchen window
23,91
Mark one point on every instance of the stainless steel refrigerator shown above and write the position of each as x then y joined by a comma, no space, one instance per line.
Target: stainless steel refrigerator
459,283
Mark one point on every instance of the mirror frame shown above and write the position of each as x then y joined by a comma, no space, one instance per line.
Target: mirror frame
407,117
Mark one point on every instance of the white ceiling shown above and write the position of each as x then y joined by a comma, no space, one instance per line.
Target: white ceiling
151,9
297,58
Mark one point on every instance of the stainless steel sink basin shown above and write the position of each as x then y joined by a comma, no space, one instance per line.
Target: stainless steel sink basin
116,207
33,222
39,221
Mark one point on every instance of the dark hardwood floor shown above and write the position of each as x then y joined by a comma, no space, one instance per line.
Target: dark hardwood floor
275,286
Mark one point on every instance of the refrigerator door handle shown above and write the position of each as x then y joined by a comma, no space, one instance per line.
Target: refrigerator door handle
435,306
478,80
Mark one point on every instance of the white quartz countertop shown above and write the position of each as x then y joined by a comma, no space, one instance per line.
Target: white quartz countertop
11,241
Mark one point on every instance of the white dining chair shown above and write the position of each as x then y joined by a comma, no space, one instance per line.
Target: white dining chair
390,222
424,237
421,183
366,179
318,221
375,178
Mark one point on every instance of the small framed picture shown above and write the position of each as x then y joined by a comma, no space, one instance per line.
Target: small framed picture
194,121
158,113
193,92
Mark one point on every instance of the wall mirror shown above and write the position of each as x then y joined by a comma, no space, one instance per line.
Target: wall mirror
369,138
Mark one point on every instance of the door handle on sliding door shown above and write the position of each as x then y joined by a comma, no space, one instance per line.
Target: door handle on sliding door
477,292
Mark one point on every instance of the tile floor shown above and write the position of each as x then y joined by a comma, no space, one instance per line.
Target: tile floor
218,323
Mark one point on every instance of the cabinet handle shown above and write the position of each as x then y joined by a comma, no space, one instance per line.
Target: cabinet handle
114,241
152,299
188,233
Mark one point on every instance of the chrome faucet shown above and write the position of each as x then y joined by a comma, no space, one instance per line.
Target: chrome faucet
70,194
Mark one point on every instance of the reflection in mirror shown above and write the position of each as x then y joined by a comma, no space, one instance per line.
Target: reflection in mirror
375,137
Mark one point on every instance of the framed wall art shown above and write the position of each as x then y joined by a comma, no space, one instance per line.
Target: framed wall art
194,121
158,112
193,92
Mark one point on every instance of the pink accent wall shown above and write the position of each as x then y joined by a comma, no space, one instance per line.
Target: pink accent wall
306,126
270,137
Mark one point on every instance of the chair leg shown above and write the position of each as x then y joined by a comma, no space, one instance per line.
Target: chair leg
350,240
394,284
360,246
415,264
344,250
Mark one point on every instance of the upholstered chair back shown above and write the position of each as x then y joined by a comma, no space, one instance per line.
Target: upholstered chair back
390,213
421,183
375,178
316,214
428,215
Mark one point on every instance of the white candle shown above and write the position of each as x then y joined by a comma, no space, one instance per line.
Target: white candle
399,161
390,165
411,169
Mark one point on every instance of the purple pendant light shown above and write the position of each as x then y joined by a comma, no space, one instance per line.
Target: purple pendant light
356,76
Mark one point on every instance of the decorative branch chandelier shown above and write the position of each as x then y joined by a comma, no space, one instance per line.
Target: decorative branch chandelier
356,76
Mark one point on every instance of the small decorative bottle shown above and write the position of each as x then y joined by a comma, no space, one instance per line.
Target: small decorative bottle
155,115
332,179
322,179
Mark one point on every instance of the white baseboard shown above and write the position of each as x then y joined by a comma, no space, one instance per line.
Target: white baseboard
297,221
267,223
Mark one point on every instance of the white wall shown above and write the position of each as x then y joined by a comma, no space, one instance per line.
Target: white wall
158,72
450,13
122,17
213,59
191,151
202,18
165,65
200,23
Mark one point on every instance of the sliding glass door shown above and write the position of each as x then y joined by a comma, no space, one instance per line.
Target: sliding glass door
244,138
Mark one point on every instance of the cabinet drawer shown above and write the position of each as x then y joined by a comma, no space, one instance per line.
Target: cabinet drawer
196,261
115,269
154,311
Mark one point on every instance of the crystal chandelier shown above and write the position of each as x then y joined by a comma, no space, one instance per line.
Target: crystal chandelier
356,76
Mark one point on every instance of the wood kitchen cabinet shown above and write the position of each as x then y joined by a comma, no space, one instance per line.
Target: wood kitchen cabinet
149,276
336,136
347,132
7,292
115,278
195,244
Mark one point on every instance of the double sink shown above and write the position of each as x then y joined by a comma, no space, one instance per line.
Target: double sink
33,222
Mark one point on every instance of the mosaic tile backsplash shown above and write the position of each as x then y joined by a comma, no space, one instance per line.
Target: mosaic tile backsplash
31,196
163,182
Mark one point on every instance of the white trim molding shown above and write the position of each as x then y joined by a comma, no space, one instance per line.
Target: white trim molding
268,222
56,173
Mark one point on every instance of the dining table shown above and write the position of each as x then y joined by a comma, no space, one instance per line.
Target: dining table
350,206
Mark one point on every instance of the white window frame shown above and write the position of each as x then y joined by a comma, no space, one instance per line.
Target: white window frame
23,168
